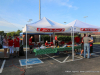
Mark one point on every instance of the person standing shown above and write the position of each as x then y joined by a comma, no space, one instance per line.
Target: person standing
77,40
82,45
10,44
91,45
5,46
16,46
31,44
86,41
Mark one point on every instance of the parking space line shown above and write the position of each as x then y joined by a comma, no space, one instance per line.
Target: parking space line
2,66
66,58
53,58
72,60
79,58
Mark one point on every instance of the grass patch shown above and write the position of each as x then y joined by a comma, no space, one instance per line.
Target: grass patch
96,43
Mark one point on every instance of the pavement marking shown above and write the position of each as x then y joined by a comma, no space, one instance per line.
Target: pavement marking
53,58
79,58
30,61
66,58
73,60
2,66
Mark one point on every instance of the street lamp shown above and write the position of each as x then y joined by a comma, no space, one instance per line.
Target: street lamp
39,9
65,23
85,18
29,20
39,17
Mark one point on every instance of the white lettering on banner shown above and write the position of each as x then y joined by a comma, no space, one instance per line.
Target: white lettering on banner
89,29
50,29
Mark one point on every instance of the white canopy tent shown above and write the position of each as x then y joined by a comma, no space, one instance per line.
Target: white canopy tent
81,27
45,26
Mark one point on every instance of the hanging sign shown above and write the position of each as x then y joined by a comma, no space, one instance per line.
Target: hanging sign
50,29
88,29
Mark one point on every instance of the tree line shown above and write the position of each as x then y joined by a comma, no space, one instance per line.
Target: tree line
11,33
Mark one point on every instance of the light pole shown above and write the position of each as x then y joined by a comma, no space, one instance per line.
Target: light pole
39,17
85,18
65,23
29,20
39,9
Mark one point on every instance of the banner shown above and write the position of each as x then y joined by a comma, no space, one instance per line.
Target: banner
50,29
88,29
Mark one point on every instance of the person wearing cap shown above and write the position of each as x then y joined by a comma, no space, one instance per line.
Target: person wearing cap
10,44
16,46
86,41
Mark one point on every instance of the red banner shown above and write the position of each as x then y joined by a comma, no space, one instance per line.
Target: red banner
88,29
50,29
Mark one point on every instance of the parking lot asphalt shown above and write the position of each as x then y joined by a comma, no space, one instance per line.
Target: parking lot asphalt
54,65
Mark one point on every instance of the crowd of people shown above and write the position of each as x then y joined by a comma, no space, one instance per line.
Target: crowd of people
86,44
12,45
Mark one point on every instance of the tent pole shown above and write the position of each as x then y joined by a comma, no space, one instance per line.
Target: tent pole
26,46
39,38
50,37
73,44
22,39
54,38
71,33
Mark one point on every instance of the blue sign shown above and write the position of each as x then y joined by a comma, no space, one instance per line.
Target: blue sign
31,61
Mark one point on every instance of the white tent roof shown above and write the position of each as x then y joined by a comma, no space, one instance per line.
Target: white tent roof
44,23
83,27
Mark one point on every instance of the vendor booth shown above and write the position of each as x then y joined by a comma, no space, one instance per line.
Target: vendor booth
81,27
45,26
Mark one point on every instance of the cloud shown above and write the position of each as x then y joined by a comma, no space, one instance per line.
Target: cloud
66,3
